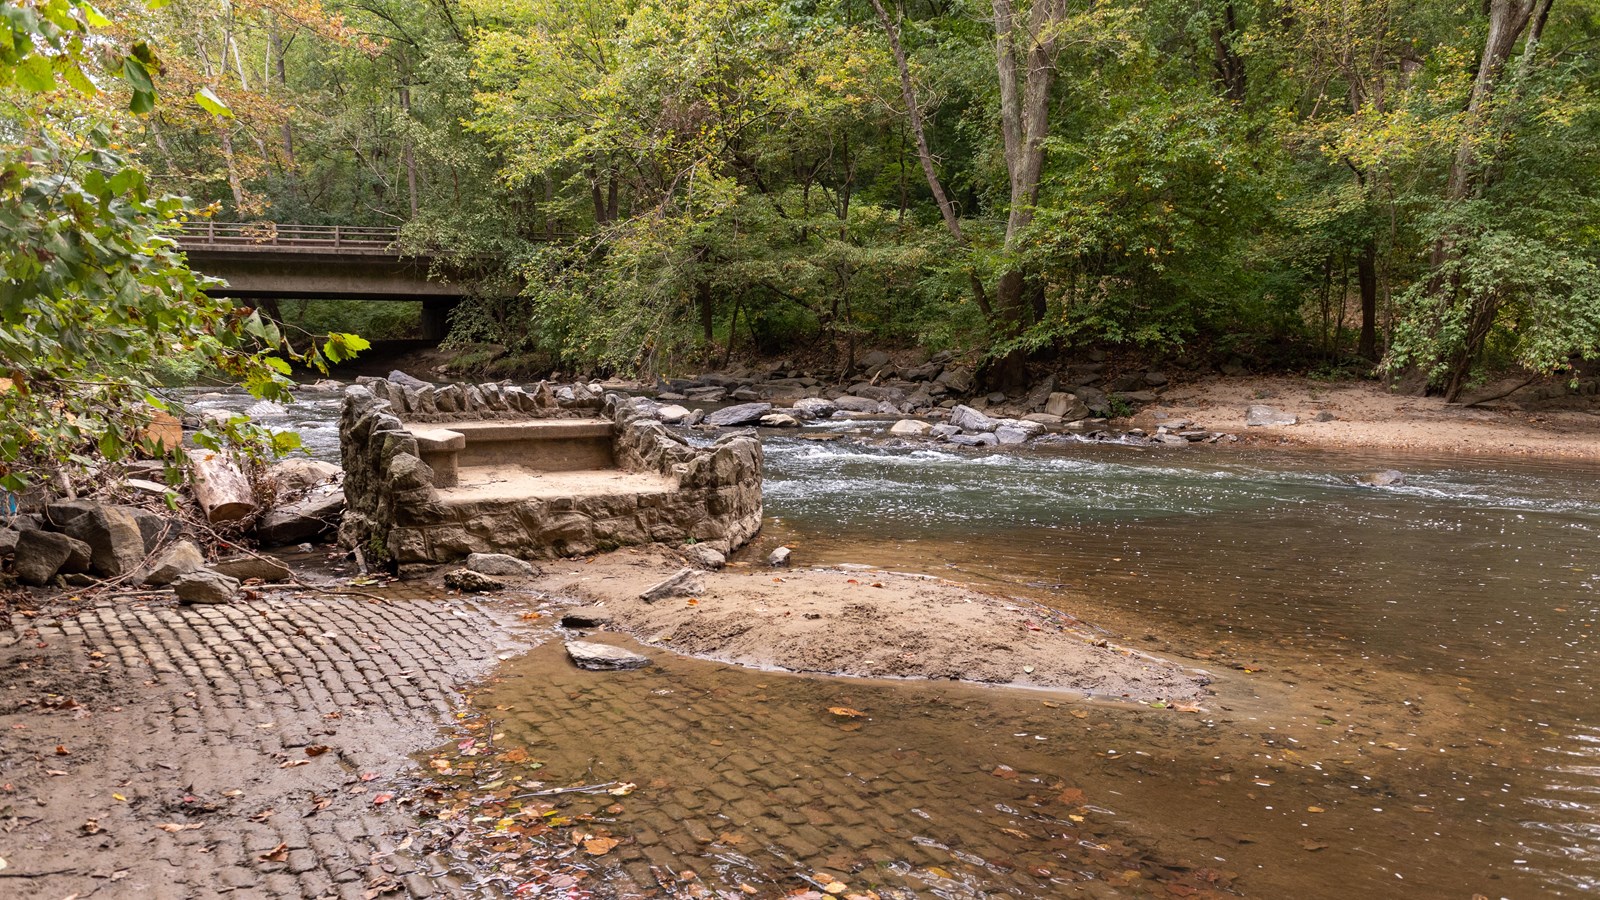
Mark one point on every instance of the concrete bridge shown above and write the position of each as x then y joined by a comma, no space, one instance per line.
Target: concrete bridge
269,261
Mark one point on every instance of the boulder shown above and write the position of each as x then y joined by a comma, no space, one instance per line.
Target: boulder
1031,429
968,419
778,557
779,420
673,414
1155,379
857,404
981,439
1384,478
684,583
205,586
1066,406
943,431
957,379
816,407
41,554
475,582
586,617
705,556
742,414
910,428
243,567
875,359
1040,394
177,560
401,378
303,520
1007,434
603,657
1259,415
499,564
1044,419
115,542
295,475
1093,398
152,527
61,513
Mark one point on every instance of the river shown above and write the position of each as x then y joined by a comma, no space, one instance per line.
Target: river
1404,673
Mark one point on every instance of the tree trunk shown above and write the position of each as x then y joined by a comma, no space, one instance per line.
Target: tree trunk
221,487
1367,277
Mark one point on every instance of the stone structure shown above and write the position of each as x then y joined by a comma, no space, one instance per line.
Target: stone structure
434,474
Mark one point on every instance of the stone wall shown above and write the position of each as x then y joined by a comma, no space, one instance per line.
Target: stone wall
417,401
395,511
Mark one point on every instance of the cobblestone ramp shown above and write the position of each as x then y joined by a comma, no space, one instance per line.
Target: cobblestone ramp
242,749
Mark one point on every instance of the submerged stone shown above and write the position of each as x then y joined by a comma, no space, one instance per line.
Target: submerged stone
603,657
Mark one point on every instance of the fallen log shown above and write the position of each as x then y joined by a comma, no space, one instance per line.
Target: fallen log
222,488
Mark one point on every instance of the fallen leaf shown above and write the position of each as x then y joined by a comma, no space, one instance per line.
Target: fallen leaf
1315,809
317,749
119,798
381,799
295,762
174,827
1071,797
1313,846
61,750
279,853
847,712
90,826
600,846
623,789
1004,771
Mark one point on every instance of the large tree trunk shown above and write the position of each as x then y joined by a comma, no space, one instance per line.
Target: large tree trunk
1025,61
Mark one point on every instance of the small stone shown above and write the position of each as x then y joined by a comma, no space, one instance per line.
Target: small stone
586,617
778,557
475,582
499,564
205,586
910,428
684,583
603,657
179,559
673,414
779,420
1384,478
816,407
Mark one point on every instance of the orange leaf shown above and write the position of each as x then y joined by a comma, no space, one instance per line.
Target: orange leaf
600,846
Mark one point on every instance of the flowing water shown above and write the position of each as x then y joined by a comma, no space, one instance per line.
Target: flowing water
1404,702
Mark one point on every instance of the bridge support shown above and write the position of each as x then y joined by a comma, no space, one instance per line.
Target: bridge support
436,317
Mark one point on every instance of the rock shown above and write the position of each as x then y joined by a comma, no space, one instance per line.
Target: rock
685,583
58,514
857,404
1040,394
1044,419
499,564
778,557
816,407
1067,406
468,580
743,414
1155,379
875,359
926,372
981,439
8,540
1097,402
586,617
1233,368
968,419
1171,439
41,554
1031,429
1384,478
673,415
779,420
399,377
116,544
1135,396
152,527
1006,434
910,428
957,379
603,657
705,556
243,567
205,586
943,431
179,559
295,475
1324,416
1259,414
302,520
78,579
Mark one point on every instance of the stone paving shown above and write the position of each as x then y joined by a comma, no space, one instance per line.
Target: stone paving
242,749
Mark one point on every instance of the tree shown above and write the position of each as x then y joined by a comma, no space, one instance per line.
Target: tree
93,294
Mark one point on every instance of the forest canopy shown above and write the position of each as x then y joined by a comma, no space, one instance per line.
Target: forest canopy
1382,185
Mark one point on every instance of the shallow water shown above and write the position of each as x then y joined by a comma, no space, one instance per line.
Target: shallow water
1404,683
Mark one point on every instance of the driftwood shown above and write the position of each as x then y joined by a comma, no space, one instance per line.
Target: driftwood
222,488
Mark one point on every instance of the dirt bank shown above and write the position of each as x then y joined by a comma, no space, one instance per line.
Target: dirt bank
1367,416
867,623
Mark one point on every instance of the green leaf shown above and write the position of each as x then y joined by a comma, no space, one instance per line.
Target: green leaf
211,103
277,363
142,102
35,74
137,75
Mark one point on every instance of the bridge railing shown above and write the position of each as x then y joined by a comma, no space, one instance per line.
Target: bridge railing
275,236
